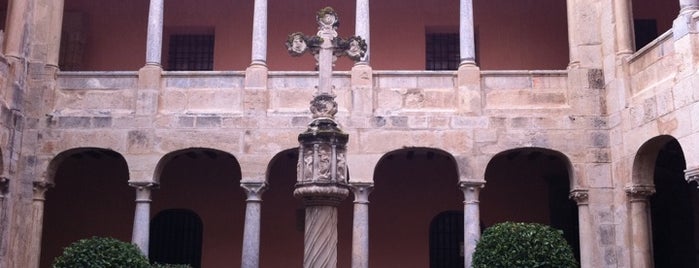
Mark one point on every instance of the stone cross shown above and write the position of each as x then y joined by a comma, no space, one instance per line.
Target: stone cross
326,47
322,167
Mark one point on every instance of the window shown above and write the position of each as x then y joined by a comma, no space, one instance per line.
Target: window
447,240
191,52
442,51
176,238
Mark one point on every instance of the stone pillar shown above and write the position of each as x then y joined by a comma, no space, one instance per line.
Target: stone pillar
572,7
15,29
472,218
362,26
466,34
141,220
55,30
585,224
259,33
154,41
38,200
251,233
360,224
623,18
641,250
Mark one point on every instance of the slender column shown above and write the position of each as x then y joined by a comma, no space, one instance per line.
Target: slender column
15,35
259,33
141,220
38,200
580,196
623,26
641,252
251,232
55,30
472,218
571,6
362,26
154,44
466,33
360,224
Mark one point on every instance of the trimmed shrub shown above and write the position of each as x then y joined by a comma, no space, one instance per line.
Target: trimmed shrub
101,252
167,265
521,245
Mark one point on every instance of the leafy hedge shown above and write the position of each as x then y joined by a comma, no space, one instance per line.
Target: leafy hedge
101,252
523,245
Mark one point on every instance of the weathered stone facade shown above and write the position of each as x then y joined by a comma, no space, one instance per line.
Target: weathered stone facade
604,114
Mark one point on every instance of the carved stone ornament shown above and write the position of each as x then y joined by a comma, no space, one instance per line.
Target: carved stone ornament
254,190
327,20
580,196
323,105
640,192
39,188
692,175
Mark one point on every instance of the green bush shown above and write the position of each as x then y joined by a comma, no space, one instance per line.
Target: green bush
101,252
523,245
166,265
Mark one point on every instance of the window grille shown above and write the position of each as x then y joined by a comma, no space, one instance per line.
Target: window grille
442,51
176,238
447,240
191,52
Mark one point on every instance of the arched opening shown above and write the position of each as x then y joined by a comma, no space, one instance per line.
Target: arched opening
176,237
651,19
282,227
674,206
91,197
539,176
205,182
411,187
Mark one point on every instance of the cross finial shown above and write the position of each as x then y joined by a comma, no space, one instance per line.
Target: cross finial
325,46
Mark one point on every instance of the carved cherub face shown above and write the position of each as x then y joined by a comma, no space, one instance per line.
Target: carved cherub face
328,19
298,45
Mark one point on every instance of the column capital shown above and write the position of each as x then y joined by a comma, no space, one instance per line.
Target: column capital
143,190
692,175
638,193
39,188
254,190
580,196
361,191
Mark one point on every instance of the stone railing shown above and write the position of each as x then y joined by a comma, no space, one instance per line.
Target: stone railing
394,92
653,65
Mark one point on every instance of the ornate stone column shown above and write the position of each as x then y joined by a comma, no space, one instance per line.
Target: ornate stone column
322,167
362,26
472,218
38,200
623,18
466,33
251,232
259,33
580,196
360,224
154,41
141,220
641,252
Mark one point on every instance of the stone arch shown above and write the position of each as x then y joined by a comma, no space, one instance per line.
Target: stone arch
541,176
644,160
411,186
207,182
91,197
659,167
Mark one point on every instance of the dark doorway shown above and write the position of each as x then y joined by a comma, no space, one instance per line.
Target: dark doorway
447,240
175,238
672,210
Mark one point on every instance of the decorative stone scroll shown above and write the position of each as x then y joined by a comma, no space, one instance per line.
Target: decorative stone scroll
692,175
